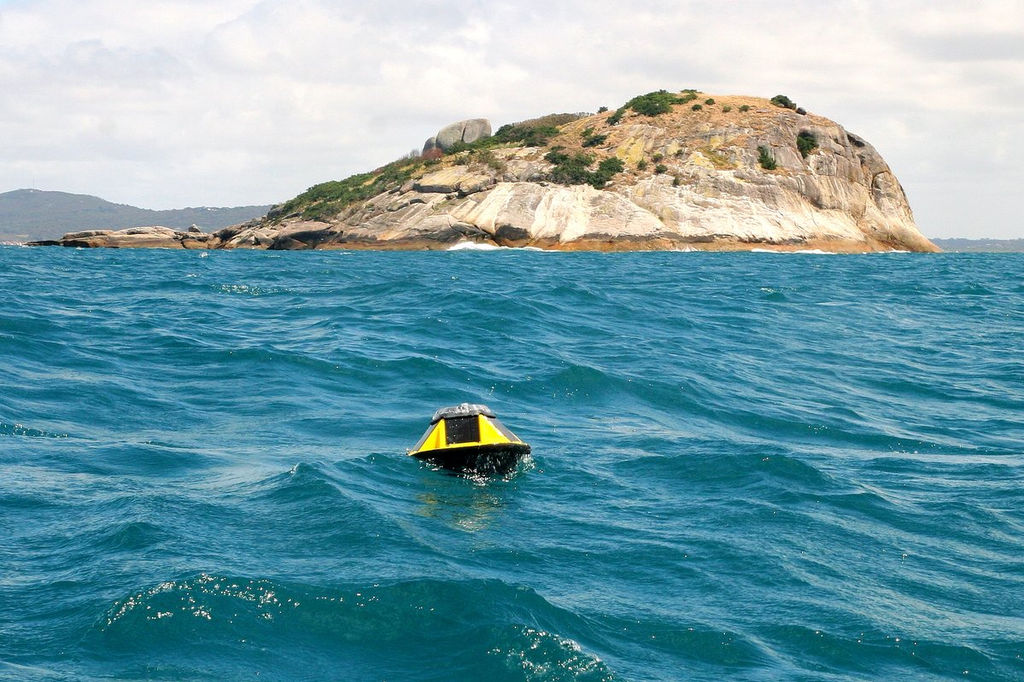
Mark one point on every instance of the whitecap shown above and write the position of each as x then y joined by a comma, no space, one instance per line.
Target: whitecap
484,246
474,246
817,252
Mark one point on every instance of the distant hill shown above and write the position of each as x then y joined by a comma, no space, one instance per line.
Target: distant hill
32,214
981,245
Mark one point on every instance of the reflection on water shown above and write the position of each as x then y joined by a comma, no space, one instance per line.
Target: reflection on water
466,502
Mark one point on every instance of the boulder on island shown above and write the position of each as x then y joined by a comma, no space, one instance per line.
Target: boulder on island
467,131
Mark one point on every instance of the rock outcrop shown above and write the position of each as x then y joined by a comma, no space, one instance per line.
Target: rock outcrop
154,237
692,179
467,131
729,175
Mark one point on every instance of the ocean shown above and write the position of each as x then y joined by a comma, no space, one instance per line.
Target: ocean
745,466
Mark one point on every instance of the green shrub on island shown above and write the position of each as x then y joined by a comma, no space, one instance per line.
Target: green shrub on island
744,108
575,169
524,133
592,140
660,168
657,156
659,102
726,109
556,155
641,164
329,198
696,107
653,103
601,110
709,101
616,117
806,142
784,102
459,146
607,168
765,158
570,170
487,157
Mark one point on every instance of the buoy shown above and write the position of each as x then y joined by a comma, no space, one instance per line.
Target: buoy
469,438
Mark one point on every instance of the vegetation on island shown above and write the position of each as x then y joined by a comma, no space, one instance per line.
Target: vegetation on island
806,142
659,102
787,103
329,198
783,101
574,169
592,140
568,167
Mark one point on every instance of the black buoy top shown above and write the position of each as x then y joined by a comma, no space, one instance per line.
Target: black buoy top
463,410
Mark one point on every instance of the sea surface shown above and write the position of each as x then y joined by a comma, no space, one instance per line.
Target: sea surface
745,466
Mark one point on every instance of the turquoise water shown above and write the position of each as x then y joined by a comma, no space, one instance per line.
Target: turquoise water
745,466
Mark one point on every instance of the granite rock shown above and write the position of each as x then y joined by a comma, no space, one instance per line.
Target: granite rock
467,131
155,237
692,180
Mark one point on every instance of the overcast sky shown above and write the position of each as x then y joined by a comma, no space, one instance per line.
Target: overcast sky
173,103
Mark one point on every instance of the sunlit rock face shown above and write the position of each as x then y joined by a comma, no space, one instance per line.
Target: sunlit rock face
738,173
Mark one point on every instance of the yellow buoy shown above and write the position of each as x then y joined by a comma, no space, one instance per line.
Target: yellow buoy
469,438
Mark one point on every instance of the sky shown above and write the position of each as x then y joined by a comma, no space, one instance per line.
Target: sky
173,103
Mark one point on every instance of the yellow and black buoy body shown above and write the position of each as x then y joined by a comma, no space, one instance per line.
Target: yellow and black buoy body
469,438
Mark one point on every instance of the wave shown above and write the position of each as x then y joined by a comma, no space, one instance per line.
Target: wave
484,246
793,469
816,252
27,431
483,627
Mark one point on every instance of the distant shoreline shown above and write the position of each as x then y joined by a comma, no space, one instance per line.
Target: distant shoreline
979,246
963,245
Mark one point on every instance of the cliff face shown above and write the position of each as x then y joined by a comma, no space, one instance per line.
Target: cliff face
690,178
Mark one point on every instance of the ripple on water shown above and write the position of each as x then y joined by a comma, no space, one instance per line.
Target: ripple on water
484,628
744,467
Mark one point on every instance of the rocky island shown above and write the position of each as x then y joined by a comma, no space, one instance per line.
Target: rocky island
683,170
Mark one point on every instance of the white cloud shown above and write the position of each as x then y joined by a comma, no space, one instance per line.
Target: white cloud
179,102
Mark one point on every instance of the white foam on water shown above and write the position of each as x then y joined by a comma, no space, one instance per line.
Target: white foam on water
817,252
473,246
483,246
